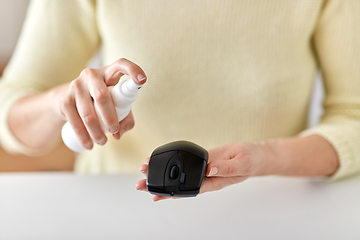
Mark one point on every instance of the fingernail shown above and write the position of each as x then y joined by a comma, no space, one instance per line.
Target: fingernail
147,160
122,132
89,146
103,142
141,169
141,77
213,171
114,130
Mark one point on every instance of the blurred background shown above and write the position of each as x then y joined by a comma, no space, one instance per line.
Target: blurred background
12,15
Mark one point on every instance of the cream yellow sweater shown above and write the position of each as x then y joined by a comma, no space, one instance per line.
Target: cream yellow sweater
218,71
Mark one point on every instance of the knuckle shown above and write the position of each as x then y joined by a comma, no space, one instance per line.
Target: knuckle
230,170
89,119
126,64
75,86
65,103
87,72
101,95
133,67
120,61
110,120
79,130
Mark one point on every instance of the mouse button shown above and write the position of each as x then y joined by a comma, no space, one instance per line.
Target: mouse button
176,160
157,167
175,164
174,172
194,167
192,148
173,146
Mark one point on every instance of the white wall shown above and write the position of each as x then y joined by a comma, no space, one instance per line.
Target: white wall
12,14
316,108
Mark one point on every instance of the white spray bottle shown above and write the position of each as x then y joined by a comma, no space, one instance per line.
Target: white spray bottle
123,94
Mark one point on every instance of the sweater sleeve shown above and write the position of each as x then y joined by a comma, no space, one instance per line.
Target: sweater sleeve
337,45
57,40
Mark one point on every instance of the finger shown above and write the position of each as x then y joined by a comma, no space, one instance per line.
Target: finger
141,185
124,66
158,198
111,76
104,103
217,183
88,115
144,168
229,168
68,107
127,123
117,135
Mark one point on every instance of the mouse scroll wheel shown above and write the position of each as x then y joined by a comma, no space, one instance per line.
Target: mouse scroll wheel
174,172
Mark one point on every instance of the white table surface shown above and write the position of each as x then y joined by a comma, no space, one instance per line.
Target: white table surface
66,206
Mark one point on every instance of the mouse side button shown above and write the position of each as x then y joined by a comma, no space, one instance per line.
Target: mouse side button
182,178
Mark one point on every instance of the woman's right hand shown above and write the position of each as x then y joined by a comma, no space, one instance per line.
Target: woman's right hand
76,104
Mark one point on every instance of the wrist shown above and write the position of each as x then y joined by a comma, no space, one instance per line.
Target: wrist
55,97
269,162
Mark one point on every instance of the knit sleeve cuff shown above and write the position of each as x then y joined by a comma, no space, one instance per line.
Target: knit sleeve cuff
342,147
7,139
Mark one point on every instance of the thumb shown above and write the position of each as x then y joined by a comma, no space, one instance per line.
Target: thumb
220,168
227,168
127,123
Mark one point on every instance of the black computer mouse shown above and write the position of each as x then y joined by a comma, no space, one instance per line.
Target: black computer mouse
177,169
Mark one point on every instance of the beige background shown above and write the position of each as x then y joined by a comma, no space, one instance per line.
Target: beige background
12,15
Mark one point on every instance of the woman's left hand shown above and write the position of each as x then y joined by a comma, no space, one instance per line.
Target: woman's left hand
227,165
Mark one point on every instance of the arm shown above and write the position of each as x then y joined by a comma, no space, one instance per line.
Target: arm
55,44
298,156
336,43
34,119
233,163
35,101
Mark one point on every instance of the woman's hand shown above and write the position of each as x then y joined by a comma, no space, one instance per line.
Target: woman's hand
76,105
227,165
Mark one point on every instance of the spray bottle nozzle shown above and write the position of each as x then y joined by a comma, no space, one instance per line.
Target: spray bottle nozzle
129,87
